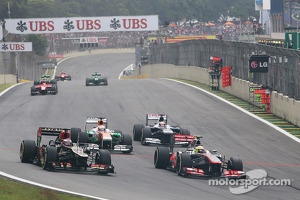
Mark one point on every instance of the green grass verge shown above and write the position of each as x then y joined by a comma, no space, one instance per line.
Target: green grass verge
14,190
5,86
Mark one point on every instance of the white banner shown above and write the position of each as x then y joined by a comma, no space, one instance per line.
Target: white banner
15,46
82,24
88,40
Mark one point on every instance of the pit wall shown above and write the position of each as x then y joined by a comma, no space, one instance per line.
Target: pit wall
281,106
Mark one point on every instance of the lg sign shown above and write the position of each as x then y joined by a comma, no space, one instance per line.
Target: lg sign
258,64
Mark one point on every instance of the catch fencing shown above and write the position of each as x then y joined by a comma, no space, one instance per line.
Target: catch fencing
284,64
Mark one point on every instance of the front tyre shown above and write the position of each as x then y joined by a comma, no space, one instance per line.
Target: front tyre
183,161
49,156
137,132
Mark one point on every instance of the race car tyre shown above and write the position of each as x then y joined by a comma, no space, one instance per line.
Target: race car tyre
146,133
27,151
137,132
185,131
53,81
70,78
33,91
235,163
54,89
103,158
49,156
35,82
105,81
127,140
161,157
83,137
74,134
183,161
87,81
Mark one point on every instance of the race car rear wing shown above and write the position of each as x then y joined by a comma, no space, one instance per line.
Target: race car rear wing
51,131
47,131
156,117
95,121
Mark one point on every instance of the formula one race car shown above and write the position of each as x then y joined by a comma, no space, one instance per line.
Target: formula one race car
160,132
44,86
63,76
62,153
113,140
198,161
96,79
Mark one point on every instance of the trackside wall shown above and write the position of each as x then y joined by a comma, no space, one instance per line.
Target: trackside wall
281,105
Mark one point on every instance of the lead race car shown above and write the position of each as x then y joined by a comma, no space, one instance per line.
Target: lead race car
63,76
112,140
44,86
197,161
61,153
160,132
96,79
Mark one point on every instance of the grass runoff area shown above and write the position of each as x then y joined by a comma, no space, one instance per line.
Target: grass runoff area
14,190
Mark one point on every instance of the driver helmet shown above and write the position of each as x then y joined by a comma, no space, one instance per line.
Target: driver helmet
101,128
161,118
67,143
199,149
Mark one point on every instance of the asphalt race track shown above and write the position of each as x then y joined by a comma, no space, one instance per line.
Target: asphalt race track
125,103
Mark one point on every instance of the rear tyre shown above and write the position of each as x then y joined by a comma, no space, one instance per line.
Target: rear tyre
74,134
183,161
137,132
27,151
83,137
162,157
185,131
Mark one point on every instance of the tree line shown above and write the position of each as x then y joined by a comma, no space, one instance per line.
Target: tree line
167,10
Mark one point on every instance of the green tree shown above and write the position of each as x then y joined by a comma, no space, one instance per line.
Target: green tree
39,43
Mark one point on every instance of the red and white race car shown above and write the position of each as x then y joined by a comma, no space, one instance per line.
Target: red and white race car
63,76
44,87
198,161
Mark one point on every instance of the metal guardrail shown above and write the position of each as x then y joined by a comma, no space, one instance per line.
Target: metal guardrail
284,64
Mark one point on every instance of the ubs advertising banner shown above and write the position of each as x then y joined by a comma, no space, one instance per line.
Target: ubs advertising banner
82,24
15,46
